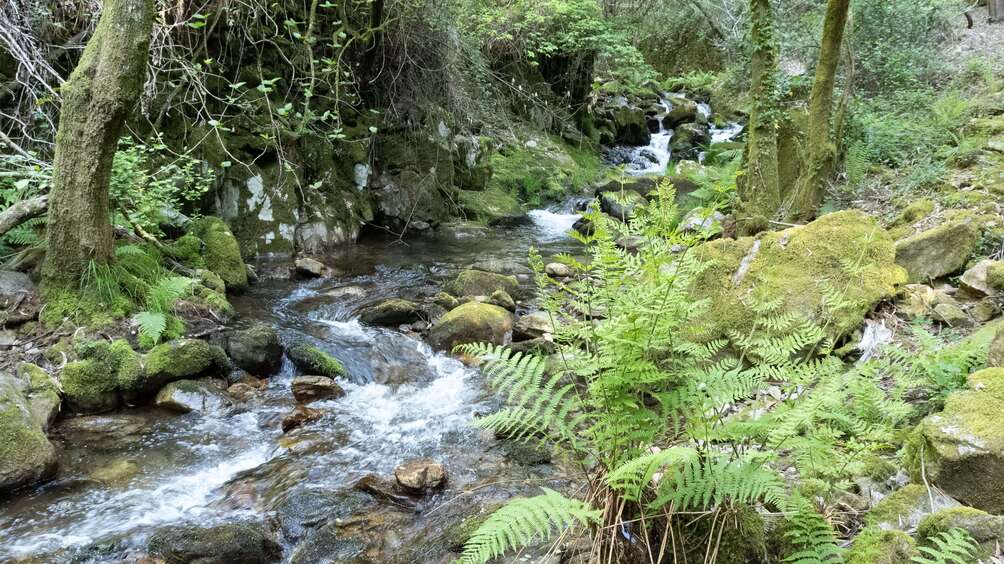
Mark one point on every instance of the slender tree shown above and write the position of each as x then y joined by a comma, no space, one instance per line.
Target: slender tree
97,99
759,186
807,196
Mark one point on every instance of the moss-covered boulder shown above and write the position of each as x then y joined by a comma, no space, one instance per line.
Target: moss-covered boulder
986,529
390,312
799,267
481,283
184,396
222,253
256,349
472,322
961,449
939,251
313,361
26,455
903,509
177,360
42,394
89,386
878,546
979,280
493,206
233,542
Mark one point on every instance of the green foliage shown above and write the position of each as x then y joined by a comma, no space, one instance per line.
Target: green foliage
159,300
811,535
523,521
21,179
952,546
147,180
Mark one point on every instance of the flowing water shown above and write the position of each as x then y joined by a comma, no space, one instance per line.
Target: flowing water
124,475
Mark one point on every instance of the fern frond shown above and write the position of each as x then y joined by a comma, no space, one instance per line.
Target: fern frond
523,521
811,535
151,325
954,546
632,477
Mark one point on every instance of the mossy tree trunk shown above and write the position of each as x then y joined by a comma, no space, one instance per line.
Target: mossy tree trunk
759,186
97,99
807,196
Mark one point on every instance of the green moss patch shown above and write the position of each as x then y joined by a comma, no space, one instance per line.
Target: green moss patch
313,361
222,252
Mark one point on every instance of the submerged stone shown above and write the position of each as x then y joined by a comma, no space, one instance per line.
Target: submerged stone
233,542
256,349
312,360
390,312
185,396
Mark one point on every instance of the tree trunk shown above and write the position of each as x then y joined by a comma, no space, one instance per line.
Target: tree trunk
759,187
807,196
97,99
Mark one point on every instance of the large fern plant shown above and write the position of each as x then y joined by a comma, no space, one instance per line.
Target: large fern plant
663,421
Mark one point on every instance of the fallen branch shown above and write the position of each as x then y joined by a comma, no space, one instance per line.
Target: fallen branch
22,211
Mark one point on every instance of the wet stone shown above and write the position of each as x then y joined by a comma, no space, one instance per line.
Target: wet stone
300,416
312,388
420,475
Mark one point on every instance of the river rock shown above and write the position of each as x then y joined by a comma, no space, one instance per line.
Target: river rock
223,544
791,266
445,301
256,349
312,360
584,226
986,529
26,455
937,252
243,392
630,124
558,270
688,139
532,326
621,205
185,396
977,280
113,426
114,472
471,322
503,300
222,252
309,268
961,449
19,299
702,220
420,475
952,315
681,110
480,283
42,394
390,312
312,388
904,508
300,416
501,266
178,360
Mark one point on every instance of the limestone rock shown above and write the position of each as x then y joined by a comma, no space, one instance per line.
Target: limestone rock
185,396
312,388
232,542
300,416
472,322
961,449
976,280
312,360
481,283
952,315
256,349
939,251
795,266
420,475
26,455
558,270
390,312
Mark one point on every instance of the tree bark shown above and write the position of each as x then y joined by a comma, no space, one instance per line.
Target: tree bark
808,194
97,99
759,187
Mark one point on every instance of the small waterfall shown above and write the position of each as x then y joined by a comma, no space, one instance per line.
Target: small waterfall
654,157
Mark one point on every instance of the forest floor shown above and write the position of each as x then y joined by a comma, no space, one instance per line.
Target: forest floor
984,40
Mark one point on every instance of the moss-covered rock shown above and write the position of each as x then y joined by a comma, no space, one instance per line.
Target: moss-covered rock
176,360
877,546
232,542
621,205
939,251
914,212
961,449
185,396
472,322
313,361
481,283
256,349
493,206
43,394
995,356
90,386
904,508
986,529
222,253
741,537
26,455
798,266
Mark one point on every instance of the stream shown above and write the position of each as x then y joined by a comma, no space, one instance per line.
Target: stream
126,474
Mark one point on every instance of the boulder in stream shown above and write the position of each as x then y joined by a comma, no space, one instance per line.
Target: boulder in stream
256,349
532,326
420,475
246,543
471,322
26,455
312,360
621,205
480,283
222,252
185,396
309,268
312,388
390,312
